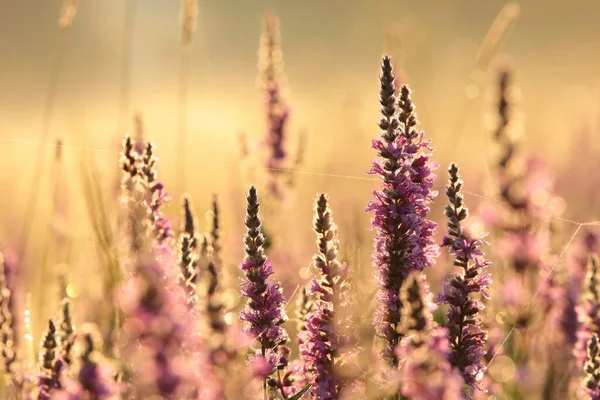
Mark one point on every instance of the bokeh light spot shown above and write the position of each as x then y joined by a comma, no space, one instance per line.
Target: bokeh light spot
72,290
502,369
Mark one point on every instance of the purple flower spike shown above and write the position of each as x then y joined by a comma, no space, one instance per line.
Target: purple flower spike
591,383
425,372
187,251
467,337
403,234
96,376
263,313
51,366
157,197
277,111
159,332
578,265
320,340
588,315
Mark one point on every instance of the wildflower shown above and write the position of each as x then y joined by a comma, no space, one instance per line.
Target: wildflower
424,370
304,305
140,133
425,373
591,382
220,346
96,376
49,379
189,20
67,13
157,330
320,342
588,314
277,112
131,196
7,329
578,264
286,380
67,333
295,375
466,334
214,233
524,249
160,225
129,163
188,260
263,313
416,314
403,236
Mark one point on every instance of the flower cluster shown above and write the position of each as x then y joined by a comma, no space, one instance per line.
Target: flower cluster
424,371
7,329
96,376
277,112
403,234
158,331
157,197
132,198
320,341
51,365
591,383
271,71
578,264
588,314
263,313
67,333
188,258
466,335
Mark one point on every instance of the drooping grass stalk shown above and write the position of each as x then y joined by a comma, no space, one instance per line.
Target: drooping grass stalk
65,21
189,20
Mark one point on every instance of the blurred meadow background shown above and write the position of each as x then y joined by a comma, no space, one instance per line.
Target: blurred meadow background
83,86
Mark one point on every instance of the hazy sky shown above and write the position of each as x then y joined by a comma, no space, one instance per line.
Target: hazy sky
332,51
